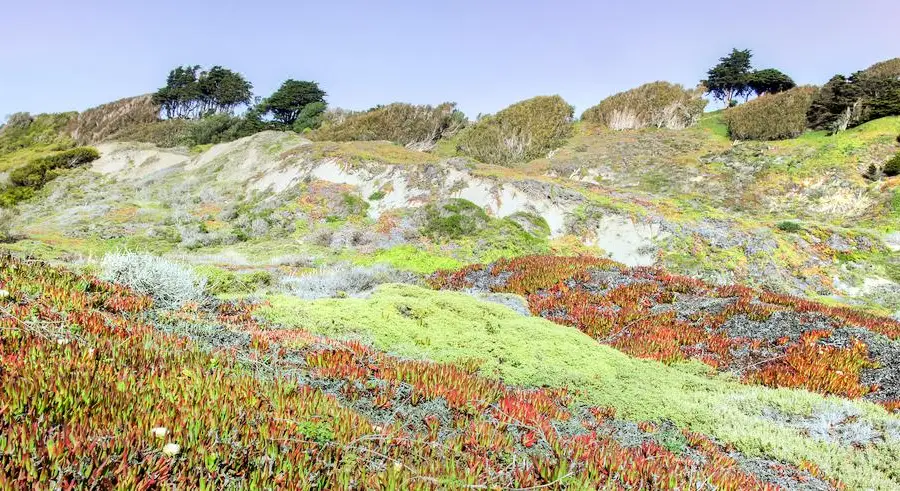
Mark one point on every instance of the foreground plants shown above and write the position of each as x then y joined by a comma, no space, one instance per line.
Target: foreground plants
102,390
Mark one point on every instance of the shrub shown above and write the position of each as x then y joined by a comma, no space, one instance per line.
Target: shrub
418,127
343,281
99,123
771,117
524,131
170,284
6,217
657,104
892,167
453,219
788,226
39,171
168,133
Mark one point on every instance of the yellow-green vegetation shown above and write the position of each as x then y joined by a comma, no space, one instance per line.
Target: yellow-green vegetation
409,258
453,327
521,132
366,151
657,104
404,124
771,116
25,137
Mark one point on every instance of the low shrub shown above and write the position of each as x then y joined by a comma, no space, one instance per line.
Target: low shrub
524,131
892,167
343,281
6,217
224,282
788,226
39,171
453,219
772,116
170,284
657,104
167,133
414,126
99,123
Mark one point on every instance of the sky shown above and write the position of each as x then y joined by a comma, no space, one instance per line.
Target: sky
61,55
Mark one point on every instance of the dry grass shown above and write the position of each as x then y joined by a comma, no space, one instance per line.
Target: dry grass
101,122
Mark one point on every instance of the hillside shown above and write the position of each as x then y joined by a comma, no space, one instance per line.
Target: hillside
688,200
646,308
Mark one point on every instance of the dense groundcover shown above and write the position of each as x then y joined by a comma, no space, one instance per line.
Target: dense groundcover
102,389
763,337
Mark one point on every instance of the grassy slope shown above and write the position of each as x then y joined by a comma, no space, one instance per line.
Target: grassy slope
444,326
42,137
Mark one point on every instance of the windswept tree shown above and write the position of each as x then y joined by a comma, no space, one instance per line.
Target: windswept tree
769,81
845,102
287,103
181,95
223,90
192,93
730,78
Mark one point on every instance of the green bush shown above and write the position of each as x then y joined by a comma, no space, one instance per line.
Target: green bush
524,131
39,171
453,219
216,128
772,116
845,102
788,226
657,104
892,167
404,124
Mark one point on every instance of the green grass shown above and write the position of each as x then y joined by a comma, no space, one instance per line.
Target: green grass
453,327
409,258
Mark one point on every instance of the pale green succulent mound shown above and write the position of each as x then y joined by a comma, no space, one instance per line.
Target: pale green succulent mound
530,351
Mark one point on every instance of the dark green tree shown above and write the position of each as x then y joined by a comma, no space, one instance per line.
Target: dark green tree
836,102
769,81
286,104
729,79
181,96
223,90
191,93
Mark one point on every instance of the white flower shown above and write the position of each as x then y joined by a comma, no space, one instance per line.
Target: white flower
171,449
4,293
159,431
398,467
62,341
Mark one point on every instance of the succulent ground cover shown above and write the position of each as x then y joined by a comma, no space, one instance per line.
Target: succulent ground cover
102,389
765,338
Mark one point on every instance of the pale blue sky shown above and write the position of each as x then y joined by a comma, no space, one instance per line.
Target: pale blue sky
70,55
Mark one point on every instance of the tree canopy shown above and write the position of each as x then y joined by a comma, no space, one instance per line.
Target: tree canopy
769,81
190,93
287,103
729,79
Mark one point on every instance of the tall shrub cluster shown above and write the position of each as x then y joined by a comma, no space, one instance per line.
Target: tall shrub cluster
414,126
771,117
657,104
845,102
521,132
